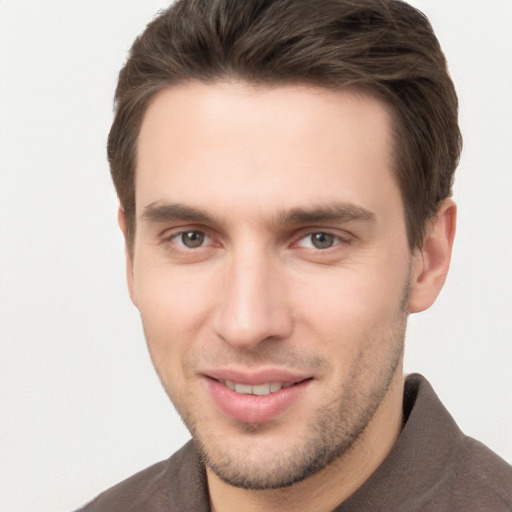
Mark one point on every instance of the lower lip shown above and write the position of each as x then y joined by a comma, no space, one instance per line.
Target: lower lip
254,408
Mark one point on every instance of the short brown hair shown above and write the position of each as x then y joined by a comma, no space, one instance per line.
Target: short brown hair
385,47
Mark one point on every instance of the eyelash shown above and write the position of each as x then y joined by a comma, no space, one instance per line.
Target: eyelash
335,238
171,238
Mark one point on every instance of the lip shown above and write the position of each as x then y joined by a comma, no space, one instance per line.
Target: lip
253,408
254,378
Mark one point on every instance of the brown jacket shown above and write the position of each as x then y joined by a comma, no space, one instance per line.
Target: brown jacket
433,467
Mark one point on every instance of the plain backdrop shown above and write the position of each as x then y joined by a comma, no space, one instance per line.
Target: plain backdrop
80,405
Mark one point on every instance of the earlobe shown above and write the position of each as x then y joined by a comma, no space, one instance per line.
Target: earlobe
121,219
432,261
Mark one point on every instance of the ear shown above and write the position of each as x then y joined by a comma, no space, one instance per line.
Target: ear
121,219
432,261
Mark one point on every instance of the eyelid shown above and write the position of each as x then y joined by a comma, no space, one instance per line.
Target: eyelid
169,235
175,229
341,237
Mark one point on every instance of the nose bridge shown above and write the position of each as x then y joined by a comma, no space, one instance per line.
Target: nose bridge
253,305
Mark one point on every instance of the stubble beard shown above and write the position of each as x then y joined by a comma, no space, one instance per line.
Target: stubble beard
330,434
332,430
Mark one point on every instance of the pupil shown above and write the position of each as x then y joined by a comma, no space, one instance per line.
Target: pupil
192,239
322,240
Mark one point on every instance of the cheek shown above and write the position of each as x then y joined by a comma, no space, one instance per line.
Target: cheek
349,309
172,310
349,295
169,296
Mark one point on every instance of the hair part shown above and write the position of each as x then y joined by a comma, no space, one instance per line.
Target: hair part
384,47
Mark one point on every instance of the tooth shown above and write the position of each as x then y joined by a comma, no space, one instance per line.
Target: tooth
261,389
244,389
258,389
275,386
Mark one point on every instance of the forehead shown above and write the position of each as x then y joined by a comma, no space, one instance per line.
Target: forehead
233,145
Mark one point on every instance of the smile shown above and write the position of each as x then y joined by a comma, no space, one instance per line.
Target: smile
256,389
257,401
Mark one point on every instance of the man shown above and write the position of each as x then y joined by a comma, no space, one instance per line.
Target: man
284,170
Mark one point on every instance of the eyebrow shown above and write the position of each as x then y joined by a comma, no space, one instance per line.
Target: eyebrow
342,212
338,212
168,212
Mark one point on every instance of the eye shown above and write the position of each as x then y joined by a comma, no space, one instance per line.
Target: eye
191,239
319,241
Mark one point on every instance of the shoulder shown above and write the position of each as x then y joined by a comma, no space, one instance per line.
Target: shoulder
433,466
477,478
154,489
464,473
148,484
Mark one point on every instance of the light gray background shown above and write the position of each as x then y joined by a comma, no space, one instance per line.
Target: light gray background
81,407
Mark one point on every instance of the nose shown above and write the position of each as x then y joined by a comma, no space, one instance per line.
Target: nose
253,305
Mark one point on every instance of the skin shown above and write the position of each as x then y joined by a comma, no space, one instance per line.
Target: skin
296,261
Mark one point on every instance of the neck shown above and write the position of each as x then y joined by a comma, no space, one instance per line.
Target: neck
331,486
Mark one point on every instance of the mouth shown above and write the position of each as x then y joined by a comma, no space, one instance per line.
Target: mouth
256,400
256,389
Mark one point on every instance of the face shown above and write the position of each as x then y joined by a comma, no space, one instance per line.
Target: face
271,270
